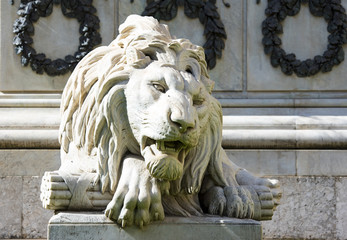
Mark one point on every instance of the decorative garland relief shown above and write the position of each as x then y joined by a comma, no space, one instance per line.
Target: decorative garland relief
333,13
30,11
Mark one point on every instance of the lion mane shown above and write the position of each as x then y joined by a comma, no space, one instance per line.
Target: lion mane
94,113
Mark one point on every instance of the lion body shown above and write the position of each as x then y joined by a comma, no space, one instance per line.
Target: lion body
144,102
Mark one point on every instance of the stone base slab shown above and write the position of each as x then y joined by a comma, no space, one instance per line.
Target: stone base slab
75,226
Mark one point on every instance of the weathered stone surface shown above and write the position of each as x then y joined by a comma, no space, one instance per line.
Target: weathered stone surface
307,210
313,37
78,226
35,217
322,162
57,29
228,72
10,207
107,15
304,35
25,162
341,208
265,162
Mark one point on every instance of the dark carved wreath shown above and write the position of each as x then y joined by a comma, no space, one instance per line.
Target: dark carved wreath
31,10
205,10
335,16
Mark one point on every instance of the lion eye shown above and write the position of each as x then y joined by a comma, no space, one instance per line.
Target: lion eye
159,87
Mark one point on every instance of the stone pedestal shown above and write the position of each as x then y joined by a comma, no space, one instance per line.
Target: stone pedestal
76,226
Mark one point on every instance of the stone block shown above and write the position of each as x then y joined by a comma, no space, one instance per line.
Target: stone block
228,72
25,162
307,210
322,162
95,226
55,35
265,162
341,208
304,35
35,217
10,207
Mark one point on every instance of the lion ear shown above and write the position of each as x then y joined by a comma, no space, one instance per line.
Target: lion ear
136,58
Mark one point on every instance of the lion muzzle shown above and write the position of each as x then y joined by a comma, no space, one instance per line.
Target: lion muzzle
162,162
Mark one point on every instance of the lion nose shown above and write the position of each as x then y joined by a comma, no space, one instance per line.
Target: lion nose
183,119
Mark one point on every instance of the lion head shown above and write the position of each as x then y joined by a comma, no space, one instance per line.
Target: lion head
146,94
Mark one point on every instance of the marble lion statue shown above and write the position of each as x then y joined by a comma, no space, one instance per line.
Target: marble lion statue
139,113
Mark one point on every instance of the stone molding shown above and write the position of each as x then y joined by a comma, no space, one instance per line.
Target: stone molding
53,100
285,132
232,139
30,100
38,139
285,139
32,121
29,121
53,103
283,103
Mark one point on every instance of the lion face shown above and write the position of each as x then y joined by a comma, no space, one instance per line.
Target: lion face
167,110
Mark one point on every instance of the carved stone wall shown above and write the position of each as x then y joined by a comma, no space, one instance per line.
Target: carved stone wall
275,125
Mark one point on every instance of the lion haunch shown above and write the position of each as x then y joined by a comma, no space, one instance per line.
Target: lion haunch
140,114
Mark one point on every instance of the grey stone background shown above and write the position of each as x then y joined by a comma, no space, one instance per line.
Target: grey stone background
289,128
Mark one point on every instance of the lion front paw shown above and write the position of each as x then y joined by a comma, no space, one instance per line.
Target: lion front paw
137,200
136,206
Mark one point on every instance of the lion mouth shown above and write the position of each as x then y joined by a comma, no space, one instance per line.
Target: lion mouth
164,159
161,146
165,146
